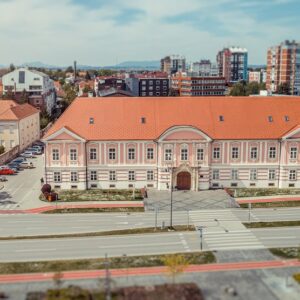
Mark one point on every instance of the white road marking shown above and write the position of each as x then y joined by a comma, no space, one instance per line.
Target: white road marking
35,250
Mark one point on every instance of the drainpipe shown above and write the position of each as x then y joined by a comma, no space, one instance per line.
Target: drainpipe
279,161
45,152
157,168
86,167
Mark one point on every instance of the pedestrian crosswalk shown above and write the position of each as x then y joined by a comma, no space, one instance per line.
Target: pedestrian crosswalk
222,230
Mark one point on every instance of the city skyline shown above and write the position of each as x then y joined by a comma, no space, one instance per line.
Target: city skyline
99,33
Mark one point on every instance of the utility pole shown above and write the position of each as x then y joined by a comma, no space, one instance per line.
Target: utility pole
107,279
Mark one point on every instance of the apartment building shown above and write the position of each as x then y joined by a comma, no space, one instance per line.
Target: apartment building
19,124
145,86
31,86
173,64
283,67
205,68
188,85
233,64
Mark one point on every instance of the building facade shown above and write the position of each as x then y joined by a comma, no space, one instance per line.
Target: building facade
198,86
173,64
31,86
205,68
233,64
283,68
148,86
190,143
19,125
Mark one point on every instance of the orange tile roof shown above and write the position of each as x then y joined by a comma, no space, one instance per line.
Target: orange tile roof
11,111
119,118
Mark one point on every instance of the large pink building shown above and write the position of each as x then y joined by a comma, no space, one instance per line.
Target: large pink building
192,143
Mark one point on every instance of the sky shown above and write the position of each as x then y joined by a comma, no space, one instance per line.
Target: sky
107,32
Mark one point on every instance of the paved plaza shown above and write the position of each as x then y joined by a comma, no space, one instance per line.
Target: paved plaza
188,200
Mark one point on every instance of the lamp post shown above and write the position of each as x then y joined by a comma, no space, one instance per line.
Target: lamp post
200,228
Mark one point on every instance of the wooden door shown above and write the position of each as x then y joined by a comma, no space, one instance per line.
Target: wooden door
184,181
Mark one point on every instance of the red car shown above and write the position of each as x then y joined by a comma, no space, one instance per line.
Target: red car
6,171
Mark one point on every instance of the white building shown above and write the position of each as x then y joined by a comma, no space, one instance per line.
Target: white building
31,86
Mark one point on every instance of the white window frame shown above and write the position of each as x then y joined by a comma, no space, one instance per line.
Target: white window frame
94,175
216,175
272,174
55,154
74,176
293,152
234,153
168,154
292,175
112,153
253,174
131,154
184,154
234,174
73,154
200,154
57,176
131,175
150,153
112,175
272,152
150,175
253,153
216,153
93,153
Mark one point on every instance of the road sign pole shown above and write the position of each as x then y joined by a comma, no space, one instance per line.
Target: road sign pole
249,212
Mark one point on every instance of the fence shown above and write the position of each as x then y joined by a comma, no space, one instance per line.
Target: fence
7,156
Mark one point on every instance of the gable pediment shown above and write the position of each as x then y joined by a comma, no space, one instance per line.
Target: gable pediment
64,134
182,133
293,134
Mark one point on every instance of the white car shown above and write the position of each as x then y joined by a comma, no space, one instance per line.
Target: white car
28,154
26,165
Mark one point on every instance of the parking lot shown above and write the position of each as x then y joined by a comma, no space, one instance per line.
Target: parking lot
21,191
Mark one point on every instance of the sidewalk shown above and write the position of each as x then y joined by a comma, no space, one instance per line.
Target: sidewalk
275,264
53,206
266,199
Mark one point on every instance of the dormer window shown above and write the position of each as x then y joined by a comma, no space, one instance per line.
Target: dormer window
221,118
92,121
143,120
286,118
270,118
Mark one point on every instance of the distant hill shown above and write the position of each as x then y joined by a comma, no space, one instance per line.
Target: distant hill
153,64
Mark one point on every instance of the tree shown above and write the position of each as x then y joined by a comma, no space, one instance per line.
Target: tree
24,97
87,76
239,89
284,89
87,89
70,69
70,94
176,264
106,72
12,67
2,149
45,120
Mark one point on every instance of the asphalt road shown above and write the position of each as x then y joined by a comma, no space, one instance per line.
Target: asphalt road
20,225
54,249
22,190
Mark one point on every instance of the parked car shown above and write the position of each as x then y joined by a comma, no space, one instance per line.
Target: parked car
18,160
13,166
6,171
38,148
3,178
35,151
26,165
28,154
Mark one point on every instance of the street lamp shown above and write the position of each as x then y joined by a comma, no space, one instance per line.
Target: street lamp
200,229
171,169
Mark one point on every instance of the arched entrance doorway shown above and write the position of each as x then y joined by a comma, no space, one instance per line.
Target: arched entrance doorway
184,181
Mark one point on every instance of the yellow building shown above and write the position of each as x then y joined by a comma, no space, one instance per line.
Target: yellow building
19,125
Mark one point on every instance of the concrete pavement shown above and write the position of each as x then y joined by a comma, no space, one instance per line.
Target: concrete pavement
145,244
20,225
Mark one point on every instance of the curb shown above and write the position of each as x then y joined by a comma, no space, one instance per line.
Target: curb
268,200
148,271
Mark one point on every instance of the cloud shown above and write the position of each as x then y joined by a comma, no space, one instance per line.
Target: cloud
102,32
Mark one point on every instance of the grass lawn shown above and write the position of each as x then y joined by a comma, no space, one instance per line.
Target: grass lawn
97,195
95,210
98,264
240,193
272,224
291,252
272,204
149,230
